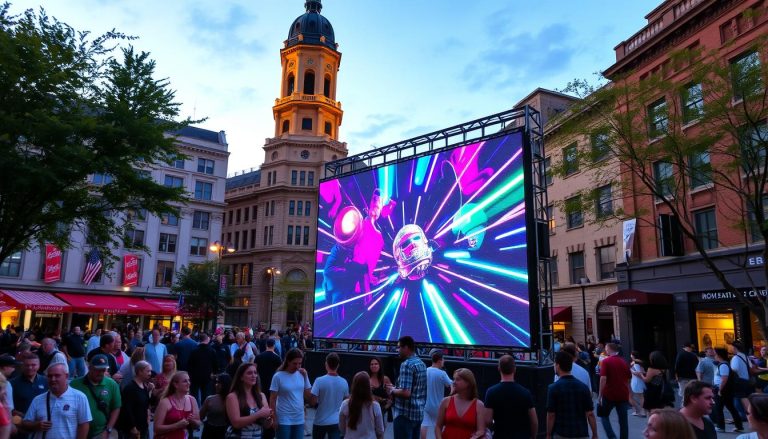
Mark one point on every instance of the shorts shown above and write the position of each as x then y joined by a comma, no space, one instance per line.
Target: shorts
430,419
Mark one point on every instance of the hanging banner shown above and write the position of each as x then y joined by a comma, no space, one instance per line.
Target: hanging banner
130,270
52,263
629,237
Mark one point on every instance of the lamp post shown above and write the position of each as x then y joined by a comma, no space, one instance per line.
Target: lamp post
218,248
584,281
272,271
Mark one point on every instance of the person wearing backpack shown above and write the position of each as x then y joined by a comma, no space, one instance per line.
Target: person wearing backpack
725,378
658,392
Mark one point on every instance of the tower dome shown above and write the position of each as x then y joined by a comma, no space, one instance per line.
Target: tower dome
312,27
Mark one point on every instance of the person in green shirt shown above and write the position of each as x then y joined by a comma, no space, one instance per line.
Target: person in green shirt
103,397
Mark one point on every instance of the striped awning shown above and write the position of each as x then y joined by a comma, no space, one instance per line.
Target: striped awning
33,300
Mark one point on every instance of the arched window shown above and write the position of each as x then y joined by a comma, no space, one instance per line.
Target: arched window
286,125
291,84
296,275
274,155
309,83
327,86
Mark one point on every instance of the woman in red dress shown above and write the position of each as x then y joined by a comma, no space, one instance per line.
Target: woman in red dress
177,410
461,415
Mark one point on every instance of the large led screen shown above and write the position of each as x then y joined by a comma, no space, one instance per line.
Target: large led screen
433,247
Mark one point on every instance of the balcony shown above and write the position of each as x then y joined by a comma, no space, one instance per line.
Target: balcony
297,97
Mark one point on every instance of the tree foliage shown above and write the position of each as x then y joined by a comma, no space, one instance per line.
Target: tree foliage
199,284
672,138
70,109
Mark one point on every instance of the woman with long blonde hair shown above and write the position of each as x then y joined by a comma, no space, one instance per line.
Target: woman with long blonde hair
177,411
164,376
460,416
360,416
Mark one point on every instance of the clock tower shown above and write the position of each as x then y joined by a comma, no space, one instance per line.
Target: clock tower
273,265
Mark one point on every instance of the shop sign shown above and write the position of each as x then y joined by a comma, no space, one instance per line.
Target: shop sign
52,263
755,261
718,296
130,270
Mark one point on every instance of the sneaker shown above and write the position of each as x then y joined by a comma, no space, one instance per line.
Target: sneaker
738,430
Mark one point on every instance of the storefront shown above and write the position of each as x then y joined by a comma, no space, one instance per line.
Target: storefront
562,319
718,318
32,309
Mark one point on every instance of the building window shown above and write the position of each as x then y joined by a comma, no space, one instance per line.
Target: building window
245,274
604,201
570,159
328,128
700,169
164,274
237,216
553,272
576,262
198,246
286,126
11,266
203,190
177,162
746,75
309,83
269,179
271,233
245,240
246,211
606,262
306,235
706,228
546,173
231,216
302,178
662,176
300,208
266,234
754,225
101,179
294,176
307,208
173,181
205,166
201,220
169,219
551,219
693,102
274,177
291,84
658,119
306,123
753,148
135,215
236,243
253,238
327,87
298,236
574,216
289,241
266,208
311,178
167,243
600,146
291,207
134,238
272,208
255,212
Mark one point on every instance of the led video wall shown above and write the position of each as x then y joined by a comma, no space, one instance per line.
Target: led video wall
433,247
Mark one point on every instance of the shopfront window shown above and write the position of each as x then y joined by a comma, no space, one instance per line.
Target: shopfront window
715,329
758,340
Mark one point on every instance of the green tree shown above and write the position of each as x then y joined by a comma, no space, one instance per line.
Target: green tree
69,109
199,284
670,139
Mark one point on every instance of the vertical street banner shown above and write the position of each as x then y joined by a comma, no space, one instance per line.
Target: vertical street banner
222,284
52,263
130,270
629,237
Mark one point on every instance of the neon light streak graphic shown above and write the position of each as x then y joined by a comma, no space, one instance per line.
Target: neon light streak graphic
389,280
319,295
375,302
493,197
421,170
510,233
487,287
493,311
446,333
426,320
464,303
495,269
351,323
437,297
431,170
328,234
514,247
514,213
395,297
455,185
320,220
456,254
394,316
416,215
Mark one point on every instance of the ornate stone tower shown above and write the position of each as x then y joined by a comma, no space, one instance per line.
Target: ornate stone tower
271,212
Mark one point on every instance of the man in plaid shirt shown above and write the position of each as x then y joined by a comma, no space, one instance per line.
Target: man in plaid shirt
411,392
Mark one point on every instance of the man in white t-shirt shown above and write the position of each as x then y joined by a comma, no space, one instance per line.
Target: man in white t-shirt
328,392
70,413
437,382
741,365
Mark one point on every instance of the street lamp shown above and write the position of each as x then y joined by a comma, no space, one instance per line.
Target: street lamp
218,248
272,271
584,281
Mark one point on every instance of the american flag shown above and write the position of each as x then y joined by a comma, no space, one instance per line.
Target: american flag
93,267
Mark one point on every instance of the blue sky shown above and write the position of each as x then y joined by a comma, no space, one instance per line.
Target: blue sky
408,66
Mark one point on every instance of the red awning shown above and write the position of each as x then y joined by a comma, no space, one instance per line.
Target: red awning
632,297
33,300
562,314
170,307
93,304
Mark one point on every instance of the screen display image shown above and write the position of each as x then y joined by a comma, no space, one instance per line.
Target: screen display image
433,247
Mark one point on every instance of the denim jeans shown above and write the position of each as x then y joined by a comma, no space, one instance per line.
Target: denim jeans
322,431
405,428
290,431
621,410
76,367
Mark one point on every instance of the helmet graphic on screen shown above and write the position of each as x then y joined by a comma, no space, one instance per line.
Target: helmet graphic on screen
412,252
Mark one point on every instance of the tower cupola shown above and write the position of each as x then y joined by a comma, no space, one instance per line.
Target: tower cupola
312,28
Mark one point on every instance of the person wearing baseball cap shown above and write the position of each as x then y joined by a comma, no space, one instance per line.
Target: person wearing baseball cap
103,395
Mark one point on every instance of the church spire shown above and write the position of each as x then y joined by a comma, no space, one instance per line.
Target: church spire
313,6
